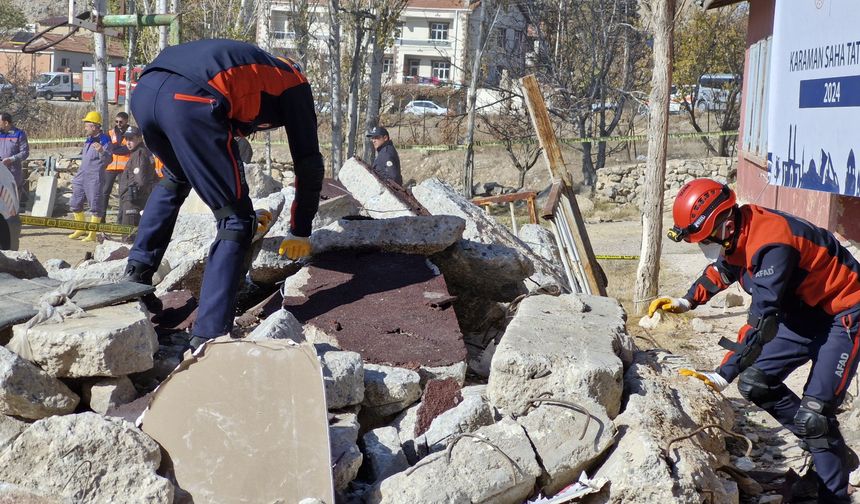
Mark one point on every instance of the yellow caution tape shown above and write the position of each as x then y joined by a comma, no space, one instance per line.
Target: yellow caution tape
618,257
29,220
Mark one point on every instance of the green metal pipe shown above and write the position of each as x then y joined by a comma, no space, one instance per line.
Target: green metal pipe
121,20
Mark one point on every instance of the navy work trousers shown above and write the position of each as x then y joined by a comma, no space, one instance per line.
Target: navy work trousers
831,343
183,127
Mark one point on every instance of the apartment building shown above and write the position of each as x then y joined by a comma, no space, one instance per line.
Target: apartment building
434,44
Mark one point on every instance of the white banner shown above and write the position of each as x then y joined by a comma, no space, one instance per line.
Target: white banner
814,100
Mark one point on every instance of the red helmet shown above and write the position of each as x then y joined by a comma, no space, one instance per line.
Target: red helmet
698,205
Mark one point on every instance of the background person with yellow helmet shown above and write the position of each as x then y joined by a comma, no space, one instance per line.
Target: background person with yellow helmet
86,185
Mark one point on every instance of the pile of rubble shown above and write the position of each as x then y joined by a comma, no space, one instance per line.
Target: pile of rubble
455,367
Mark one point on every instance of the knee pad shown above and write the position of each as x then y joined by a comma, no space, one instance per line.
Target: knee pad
236,222
762,390
812,422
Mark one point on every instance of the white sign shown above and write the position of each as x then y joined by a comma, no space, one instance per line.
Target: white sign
814,107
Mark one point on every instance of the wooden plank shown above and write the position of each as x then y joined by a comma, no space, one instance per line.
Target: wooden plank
18,297
533,210
548,210
569,209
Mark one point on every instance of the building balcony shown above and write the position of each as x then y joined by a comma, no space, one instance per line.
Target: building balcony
429,81
423,42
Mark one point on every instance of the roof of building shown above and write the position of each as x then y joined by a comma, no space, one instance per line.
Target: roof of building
713,4
75,43
53,20
436,4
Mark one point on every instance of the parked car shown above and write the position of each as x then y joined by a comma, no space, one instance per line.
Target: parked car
6,87
51,84
713,91
424,107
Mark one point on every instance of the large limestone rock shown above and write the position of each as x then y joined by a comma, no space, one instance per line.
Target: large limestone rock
662,406
475,472
109,393
260,183
15,494
87,458
279,325
112,341
28,392
23,264
334,209
570,346
541,241
388,390
343,375
10,429
441,199
108,271
379,200
567,442
423,235
383,454
491,271
345,455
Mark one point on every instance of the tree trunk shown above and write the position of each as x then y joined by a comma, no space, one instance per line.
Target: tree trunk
129,64
374,93
588,177
242,16
334,91
648,272
469,161
99,50
355,72
162,30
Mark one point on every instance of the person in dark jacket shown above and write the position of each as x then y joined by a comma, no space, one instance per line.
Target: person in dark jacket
387,162
190,103
805,307
137,180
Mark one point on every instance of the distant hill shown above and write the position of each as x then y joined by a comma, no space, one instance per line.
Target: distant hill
40,9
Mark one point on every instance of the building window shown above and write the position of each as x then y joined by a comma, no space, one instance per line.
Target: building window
438,31
387,63
64,62
441,70
281,25
755,107
414,67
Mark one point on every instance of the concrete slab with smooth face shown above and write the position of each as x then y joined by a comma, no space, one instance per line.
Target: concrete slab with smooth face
245,422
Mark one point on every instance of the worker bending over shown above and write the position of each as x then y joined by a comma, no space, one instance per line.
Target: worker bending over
189,103
805,306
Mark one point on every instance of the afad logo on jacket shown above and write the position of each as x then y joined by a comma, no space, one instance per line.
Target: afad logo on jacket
764,273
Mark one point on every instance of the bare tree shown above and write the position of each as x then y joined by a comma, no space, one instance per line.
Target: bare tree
662,16
334,90
508,123
358,16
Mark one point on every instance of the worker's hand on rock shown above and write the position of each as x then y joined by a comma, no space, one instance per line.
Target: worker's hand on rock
264,223
669,304
295,247
711,378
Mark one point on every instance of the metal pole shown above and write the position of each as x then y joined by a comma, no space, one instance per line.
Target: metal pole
101,99
129,64
162,32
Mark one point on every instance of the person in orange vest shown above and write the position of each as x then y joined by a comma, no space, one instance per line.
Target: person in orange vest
159,166
121,153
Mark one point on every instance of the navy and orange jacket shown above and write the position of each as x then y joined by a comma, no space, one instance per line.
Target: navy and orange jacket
784,263
257,91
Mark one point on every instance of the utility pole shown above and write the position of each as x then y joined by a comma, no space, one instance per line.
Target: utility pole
162,31
647,274
131,9
99,47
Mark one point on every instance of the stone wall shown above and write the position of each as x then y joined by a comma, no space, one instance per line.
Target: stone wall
621,184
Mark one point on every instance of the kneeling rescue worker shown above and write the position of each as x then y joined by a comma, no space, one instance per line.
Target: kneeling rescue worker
189,103
805,306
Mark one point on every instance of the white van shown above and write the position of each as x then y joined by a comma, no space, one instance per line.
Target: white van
51,84
714,89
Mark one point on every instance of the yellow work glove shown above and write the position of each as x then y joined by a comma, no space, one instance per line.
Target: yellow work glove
669,304
295,247
264,223
711,378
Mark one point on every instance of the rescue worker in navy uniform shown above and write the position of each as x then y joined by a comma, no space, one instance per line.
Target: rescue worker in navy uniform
805,306
387,162
189,103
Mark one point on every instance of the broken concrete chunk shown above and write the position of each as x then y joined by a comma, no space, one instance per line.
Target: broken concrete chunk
51,455
651,322
28,392
441,199
112,341
279,325
21,264
10,428
490,271
106,248
541,241
108,393
378,198
383,454
700,326
423,235
663,406
15,494
345,455
56,264
388,390
108,271
343,374
260,183
726,299
457,371
551,348
567,441
212,442
334,209
439,396
476,472
471,414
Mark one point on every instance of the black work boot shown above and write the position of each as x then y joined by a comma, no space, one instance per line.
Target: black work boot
141,273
